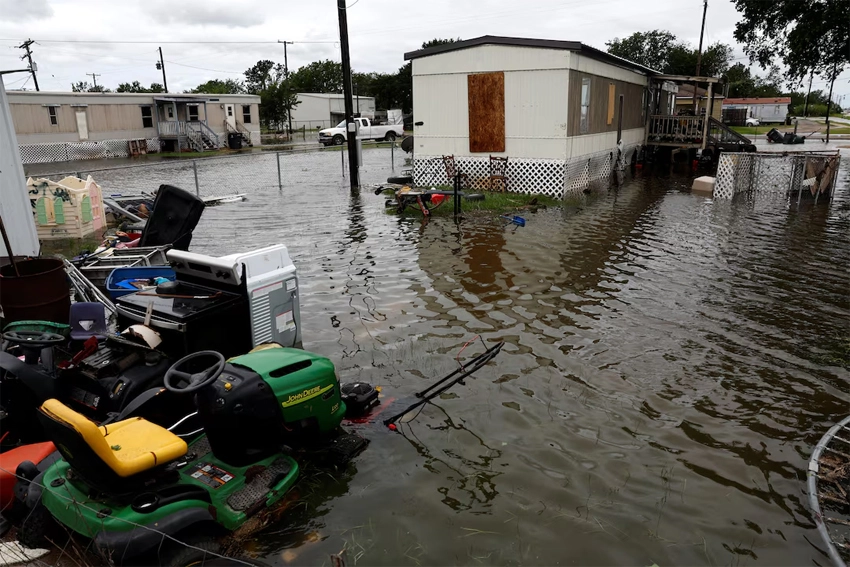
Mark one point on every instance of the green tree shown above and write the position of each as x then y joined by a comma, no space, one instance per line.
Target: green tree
682,60
84,87
319,77
277,94
258,77
136,87
217,86
742,83
662,51
650,49
806,36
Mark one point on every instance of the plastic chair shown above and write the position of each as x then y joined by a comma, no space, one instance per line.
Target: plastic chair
88,320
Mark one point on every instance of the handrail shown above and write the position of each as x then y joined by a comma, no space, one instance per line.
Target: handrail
720,132
203,131
675,128
238,129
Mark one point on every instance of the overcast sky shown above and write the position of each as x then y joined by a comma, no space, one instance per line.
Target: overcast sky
381,31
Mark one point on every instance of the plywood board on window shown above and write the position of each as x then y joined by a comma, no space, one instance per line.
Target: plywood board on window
486,99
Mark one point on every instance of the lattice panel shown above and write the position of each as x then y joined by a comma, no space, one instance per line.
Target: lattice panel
76,151
546,176
524,175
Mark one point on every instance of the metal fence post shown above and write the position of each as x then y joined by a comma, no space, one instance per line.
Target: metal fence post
279,181
392,155
197,186
342,160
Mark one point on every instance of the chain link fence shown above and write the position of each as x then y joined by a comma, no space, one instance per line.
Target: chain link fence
777,173
221,176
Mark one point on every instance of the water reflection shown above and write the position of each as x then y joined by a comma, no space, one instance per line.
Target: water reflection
669,362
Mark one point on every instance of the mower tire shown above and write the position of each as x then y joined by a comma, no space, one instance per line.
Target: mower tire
39,529
199,550
474,197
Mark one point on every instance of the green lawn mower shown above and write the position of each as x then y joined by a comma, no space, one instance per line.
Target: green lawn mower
126,484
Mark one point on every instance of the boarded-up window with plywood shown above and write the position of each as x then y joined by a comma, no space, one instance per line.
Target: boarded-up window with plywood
486,99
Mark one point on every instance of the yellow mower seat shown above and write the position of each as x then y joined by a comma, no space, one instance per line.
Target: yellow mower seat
127,447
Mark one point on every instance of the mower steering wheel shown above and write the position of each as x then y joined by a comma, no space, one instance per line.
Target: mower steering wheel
33,338
197,380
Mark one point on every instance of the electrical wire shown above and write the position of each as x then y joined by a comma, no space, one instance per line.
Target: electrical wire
204,68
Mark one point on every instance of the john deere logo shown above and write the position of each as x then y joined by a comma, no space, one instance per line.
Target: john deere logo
308,394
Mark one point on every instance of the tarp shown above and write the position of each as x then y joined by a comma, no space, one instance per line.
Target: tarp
15,205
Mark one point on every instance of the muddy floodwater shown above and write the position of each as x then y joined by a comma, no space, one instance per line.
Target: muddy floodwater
670,361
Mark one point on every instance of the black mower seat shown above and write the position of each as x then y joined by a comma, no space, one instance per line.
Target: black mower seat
127,447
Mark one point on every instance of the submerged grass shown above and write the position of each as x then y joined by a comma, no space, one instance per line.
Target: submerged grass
493,203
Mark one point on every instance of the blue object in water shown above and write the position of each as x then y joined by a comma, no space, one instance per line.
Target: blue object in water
519,221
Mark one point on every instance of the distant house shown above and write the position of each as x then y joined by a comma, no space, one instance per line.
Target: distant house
60,126
685,101
555,109
322,110
767,110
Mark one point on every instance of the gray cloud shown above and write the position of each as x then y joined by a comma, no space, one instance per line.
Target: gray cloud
16,11
233,15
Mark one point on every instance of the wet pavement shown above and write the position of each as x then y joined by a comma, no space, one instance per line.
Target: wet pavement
670,363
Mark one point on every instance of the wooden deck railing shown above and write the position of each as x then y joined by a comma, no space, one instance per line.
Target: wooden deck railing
675,129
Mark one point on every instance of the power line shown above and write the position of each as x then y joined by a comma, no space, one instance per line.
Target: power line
204,68
94,77
163,42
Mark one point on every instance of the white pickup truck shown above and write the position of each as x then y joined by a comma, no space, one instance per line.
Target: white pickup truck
336,136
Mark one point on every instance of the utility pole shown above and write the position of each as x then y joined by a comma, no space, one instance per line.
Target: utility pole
94,77
286,74
806,107
829,100
161,65
351,132
699,52
26,46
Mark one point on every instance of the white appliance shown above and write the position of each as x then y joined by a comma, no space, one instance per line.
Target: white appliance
271,283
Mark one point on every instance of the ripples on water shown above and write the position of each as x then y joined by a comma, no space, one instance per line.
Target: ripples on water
669,367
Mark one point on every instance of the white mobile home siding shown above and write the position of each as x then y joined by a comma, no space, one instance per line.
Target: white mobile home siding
536,87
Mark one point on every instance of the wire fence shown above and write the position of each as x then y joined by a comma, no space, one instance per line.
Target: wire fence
218,176
777,173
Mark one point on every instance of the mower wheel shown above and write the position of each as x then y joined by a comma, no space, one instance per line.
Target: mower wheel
474,197
199,550
39,529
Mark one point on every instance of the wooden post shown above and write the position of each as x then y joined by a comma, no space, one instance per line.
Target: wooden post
705,120
829,100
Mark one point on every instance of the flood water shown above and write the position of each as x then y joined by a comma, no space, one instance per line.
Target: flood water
670,361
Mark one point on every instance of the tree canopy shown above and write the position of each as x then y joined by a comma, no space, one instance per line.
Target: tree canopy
319,77
806,36
217,86
85,87
136,87
650,49
662,51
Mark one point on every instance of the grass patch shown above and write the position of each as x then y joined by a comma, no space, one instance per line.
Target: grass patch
494,203
191,155
760,130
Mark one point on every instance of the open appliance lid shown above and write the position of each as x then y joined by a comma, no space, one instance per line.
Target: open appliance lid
217,271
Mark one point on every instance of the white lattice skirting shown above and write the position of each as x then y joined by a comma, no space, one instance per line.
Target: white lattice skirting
75,151
552,177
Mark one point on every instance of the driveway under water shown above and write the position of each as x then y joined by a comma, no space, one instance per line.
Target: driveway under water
670,363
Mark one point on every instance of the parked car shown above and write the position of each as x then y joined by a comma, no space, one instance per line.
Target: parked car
336,136
753,121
